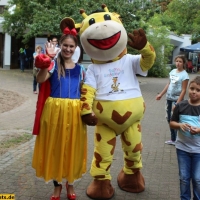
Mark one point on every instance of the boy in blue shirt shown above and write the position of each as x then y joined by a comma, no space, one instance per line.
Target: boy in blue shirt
186,119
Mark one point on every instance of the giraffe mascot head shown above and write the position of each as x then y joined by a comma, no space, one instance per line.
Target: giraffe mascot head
111,96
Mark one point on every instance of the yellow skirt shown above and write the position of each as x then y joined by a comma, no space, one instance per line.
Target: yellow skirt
61,147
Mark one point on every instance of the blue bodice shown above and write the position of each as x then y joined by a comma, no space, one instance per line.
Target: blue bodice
68,86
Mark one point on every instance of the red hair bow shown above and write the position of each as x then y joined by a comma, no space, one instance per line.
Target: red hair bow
67,31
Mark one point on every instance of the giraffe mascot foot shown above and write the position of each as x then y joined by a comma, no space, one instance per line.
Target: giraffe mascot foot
100,189
111,98
131,182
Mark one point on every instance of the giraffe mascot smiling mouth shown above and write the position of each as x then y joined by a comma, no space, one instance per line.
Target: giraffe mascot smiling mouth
112,100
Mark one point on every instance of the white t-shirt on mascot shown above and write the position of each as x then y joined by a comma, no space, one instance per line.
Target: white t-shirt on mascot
116,80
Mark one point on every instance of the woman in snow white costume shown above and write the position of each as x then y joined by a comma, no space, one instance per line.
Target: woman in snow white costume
61,144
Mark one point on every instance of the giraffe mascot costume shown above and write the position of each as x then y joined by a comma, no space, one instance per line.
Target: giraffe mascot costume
112,100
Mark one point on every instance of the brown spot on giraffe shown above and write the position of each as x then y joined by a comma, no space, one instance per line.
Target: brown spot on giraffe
85,106
144,107
139,127
83,98
129,163
119,119
99,107
151,47
108,167
99,176
84,91
137,148
98,137
128,143
98,159
113,143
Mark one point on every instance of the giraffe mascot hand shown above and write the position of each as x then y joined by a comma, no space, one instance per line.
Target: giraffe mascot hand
112,99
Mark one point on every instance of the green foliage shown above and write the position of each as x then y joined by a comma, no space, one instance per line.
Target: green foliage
36,17
173,66
182,16
158,35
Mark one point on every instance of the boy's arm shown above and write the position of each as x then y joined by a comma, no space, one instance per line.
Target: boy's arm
194,130
175,122
182,126
174,125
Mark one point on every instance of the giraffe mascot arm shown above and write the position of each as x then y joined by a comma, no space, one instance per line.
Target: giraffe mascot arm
139,42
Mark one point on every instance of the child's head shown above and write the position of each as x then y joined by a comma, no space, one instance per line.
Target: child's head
180,61
195,80
194,90
38,48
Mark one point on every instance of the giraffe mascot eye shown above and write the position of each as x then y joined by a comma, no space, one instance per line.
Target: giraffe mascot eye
109,96
107,17
91,21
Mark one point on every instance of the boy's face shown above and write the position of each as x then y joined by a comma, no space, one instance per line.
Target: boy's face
194,92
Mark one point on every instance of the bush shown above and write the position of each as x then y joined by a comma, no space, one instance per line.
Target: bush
159,71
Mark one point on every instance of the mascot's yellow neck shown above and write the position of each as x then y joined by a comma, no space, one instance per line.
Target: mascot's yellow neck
113,60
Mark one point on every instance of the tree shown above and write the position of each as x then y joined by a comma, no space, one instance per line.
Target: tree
182,16
36,17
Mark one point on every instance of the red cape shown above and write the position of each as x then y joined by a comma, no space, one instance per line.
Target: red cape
44,93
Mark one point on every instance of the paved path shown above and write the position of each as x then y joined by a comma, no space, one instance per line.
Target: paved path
159,160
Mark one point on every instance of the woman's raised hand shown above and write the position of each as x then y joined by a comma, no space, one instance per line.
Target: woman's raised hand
51,49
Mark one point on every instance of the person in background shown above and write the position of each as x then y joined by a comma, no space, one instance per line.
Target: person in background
61,146
175,91
29,57
22,59
186,119
54,41
38,51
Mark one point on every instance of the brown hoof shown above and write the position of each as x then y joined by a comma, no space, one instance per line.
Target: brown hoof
100,190
131,182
